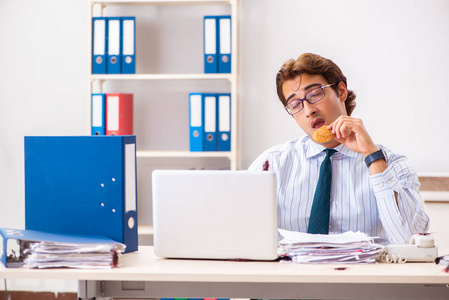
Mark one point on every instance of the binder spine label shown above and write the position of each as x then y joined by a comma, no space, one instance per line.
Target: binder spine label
113,113
114,37
99,37
130,178
210,46
225,36
128,37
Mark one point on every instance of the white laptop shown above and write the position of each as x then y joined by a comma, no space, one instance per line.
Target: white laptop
215,214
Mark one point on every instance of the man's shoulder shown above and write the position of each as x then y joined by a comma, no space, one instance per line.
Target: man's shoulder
294,145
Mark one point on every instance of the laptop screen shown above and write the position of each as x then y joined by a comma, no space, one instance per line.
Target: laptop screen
215,214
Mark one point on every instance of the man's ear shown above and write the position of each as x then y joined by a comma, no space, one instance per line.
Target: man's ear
342,91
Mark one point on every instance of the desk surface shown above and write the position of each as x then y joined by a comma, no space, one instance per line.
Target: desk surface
145,266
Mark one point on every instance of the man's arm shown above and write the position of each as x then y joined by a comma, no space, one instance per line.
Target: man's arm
399,202
395,184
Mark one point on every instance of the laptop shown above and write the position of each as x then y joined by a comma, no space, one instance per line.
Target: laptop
215,214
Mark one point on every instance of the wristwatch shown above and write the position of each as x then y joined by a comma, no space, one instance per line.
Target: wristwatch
375,156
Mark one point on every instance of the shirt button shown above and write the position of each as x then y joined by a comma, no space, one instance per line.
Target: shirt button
330,199
389,182
381,185
330,226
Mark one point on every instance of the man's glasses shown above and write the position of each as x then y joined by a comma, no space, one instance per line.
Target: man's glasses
315,95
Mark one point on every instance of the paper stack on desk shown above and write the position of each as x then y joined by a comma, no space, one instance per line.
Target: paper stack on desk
37,249
348,247
84,256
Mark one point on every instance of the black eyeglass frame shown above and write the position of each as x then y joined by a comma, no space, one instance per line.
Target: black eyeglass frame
288,109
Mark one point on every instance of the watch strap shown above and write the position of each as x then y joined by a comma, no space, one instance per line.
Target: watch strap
374,156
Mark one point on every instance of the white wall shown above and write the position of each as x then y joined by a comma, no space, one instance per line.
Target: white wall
43,85
393,52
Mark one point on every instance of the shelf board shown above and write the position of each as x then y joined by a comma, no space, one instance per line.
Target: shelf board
145,229
181,154
158,2
435,196
226,76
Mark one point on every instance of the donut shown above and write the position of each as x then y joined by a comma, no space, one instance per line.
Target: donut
323,135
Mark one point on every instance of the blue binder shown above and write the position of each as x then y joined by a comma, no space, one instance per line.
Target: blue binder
7,255
82,185
210,44
99,45
196,121
98,120
128,45
224,122
210,122
114,45
224,44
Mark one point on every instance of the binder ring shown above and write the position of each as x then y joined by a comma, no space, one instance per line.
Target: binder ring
210,137
196,133
113,60
99,60
225,58
224,136
131,223
128,59
210,58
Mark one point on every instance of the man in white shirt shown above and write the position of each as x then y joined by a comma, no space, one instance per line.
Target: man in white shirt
373,189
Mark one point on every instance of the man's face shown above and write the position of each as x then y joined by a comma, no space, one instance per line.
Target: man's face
323,112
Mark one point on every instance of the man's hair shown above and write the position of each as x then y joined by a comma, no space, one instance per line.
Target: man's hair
313,64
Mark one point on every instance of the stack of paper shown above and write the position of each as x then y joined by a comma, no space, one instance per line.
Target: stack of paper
348,247
86,256
37,249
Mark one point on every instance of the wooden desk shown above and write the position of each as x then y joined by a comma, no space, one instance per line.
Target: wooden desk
144,275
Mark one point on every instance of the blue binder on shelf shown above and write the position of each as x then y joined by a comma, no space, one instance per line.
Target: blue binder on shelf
224,122
128,58
224,44
82,185
99,45
98,119
114,45
210,122
196,121
210,44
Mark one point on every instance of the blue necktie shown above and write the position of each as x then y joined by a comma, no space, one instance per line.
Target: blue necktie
319,216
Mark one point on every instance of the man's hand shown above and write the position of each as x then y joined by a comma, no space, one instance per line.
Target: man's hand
352,134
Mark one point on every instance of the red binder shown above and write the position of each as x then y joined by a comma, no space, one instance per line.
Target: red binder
119,114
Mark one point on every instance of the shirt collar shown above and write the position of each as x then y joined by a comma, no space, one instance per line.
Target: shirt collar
313,149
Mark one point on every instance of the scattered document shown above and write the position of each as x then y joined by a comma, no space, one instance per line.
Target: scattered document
37,249
348,247
443,261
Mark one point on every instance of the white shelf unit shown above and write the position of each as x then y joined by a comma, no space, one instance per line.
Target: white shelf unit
233,78
96,83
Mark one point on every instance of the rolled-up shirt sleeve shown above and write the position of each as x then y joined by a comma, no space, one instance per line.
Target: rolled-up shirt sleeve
405,217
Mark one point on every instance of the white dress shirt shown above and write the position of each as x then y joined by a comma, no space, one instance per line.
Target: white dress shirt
359,201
